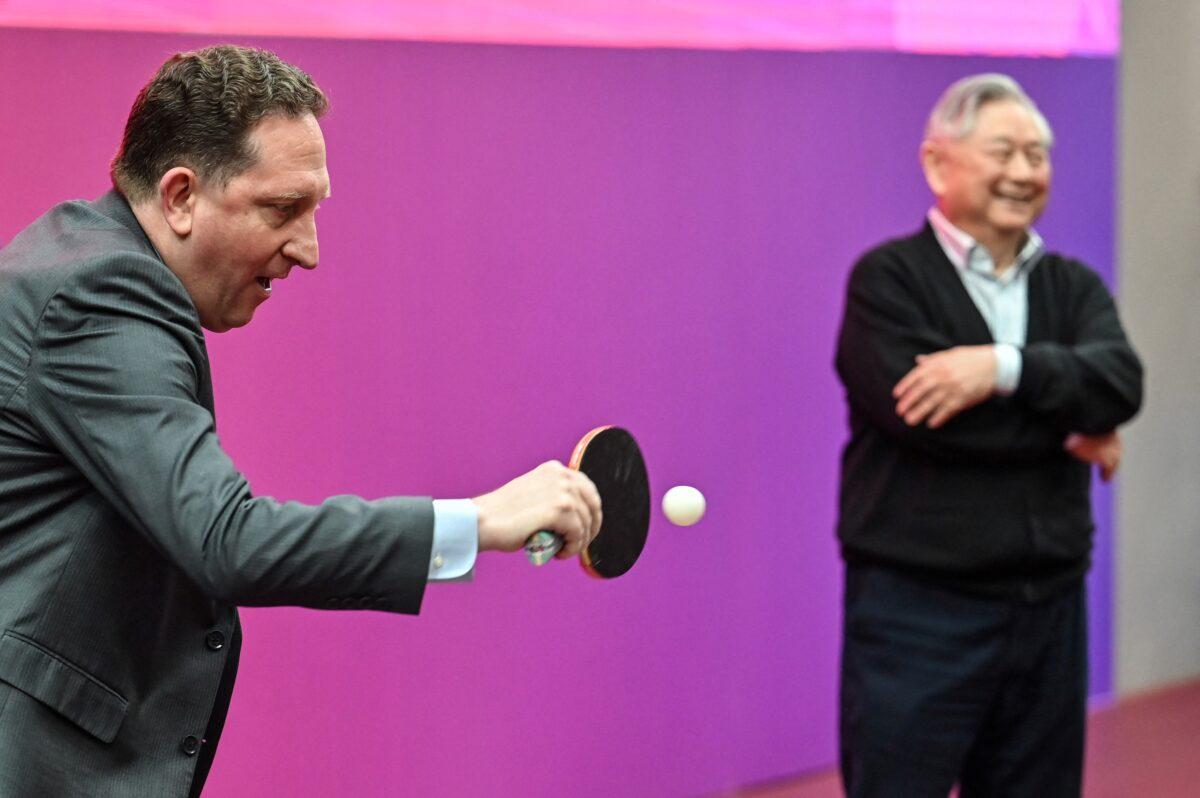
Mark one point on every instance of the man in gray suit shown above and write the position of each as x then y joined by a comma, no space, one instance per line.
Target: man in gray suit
127,537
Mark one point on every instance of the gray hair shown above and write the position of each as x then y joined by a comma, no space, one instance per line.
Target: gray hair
957,110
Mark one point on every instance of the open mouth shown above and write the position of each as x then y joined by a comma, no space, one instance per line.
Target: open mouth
265,284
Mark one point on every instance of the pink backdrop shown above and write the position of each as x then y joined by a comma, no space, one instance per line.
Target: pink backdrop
522,243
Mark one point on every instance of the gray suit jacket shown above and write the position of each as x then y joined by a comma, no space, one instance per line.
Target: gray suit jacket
127,537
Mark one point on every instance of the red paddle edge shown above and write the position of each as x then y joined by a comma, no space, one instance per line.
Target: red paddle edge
576,460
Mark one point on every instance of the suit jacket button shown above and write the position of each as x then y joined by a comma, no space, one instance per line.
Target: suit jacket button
190,745
332,602
215,640
364,602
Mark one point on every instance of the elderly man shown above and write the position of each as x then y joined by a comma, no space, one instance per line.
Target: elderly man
983,375
127,537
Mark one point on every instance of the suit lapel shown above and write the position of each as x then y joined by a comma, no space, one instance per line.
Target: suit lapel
114,206
965,315
1037,325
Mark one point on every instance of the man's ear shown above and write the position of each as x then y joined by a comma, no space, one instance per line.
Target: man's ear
933,159
177,194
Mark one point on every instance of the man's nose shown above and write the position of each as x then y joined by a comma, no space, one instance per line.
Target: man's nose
303,248
1020,167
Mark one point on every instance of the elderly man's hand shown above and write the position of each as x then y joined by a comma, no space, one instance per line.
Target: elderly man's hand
1103,450
944,384
551,497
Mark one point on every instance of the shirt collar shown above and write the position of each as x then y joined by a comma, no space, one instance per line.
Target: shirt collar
968,255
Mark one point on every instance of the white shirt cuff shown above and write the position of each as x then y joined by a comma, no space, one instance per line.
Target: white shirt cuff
1008,368
455,539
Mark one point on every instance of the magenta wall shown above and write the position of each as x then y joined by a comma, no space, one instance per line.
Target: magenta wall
522,243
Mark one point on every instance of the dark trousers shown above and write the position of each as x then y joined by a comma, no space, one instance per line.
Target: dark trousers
940,688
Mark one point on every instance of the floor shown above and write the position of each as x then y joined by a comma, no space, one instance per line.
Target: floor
1146,745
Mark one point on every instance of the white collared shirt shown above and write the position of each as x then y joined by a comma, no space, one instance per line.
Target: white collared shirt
1002,299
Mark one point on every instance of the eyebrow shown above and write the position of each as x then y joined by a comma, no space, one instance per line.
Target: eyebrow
287,196
296,196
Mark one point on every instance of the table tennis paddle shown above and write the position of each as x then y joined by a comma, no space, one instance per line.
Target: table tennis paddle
609,456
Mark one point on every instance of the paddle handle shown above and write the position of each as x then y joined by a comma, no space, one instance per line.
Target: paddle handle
541,547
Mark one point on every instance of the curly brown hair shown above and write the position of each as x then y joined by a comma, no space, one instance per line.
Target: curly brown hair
198,110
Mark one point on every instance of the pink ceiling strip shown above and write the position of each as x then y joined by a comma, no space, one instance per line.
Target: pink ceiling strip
998,27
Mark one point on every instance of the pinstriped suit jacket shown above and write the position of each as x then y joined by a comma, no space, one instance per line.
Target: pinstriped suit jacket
127,537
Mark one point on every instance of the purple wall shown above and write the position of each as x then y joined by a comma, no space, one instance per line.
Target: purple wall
523,243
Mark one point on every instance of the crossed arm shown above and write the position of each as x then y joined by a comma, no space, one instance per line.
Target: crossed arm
945,383
910,380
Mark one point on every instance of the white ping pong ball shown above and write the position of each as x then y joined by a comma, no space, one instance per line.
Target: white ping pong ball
683,505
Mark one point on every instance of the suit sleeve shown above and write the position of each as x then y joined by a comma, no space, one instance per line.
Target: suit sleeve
115,381
1093,383
883,330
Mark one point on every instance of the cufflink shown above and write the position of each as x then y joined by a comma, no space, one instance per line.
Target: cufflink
438,561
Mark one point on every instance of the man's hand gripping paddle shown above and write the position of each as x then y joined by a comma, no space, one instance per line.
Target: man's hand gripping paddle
610,457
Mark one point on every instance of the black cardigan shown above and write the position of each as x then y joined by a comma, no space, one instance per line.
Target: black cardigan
990,503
